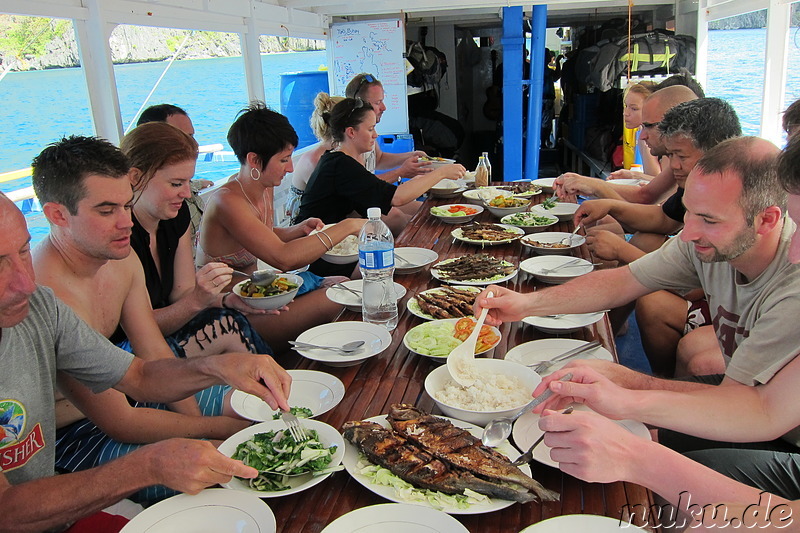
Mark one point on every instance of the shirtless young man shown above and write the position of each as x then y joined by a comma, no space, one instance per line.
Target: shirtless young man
86,259
42,340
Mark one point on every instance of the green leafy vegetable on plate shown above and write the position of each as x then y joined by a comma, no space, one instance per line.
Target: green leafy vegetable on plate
299,412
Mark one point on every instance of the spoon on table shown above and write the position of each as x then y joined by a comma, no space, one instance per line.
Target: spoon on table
498,429
260,277
461,359
346,349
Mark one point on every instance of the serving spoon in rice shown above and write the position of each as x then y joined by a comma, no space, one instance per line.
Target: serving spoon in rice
460,362
498,429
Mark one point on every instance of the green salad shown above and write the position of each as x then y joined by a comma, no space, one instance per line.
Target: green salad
299,412
276,455
550,203
527,218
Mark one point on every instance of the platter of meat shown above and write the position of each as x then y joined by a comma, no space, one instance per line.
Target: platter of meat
478,269
410,456
487,234
444,302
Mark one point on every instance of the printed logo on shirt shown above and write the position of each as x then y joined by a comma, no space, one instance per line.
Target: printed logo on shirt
729,332
16,448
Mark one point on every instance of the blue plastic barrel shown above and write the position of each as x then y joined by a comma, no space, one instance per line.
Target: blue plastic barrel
298,90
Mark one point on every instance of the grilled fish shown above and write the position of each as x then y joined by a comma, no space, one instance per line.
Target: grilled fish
402,457
459,448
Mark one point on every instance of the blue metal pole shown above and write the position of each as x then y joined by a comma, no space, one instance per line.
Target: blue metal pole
534,134
512,40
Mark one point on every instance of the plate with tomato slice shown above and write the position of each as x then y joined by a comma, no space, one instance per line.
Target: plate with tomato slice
456,213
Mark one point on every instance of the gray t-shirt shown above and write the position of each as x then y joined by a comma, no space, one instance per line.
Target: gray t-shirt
51,338
754,320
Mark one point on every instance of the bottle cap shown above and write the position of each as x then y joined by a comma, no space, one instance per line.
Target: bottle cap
374,212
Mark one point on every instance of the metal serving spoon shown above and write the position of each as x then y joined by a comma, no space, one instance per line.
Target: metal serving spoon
348,348
260,277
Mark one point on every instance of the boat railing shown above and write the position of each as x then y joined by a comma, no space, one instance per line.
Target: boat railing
26,198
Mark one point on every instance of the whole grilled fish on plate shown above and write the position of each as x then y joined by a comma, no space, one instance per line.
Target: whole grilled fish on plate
481,469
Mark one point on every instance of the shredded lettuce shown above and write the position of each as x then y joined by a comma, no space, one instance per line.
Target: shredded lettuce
407,492
276,455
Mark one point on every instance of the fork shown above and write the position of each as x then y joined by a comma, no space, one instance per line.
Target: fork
296,429
545,365
527,457
573,262
344,287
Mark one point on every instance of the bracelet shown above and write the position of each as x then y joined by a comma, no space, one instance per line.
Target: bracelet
223,300
323,242
330,241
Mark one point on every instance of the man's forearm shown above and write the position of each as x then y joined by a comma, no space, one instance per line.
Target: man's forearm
49,502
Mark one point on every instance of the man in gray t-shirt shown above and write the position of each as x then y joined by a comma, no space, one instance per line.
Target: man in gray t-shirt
734,244
40,338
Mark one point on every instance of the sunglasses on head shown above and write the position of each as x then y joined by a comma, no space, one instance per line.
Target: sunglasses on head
366,78
359,103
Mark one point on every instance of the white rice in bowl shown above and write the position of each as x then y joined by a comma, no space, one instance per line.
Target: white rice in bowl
490,392
348,246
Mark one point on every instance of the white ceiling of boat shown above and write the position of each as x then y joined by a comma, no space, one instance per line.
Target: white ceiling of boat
311,18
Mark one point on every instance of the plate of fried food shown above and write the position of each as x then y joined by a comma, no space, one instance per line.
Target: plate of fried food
474,269
444,302
394,455
487,234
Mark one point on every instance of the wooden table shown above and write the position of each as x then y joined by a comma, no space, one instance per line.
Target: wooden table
397,375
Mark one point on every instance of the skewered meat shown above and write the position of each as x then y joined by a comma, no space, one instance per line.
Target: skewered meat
488,232
479,266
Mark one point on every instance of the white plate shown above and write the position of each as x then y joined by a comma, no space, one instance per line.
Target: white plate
435,274
514,230
535,266
563,210
552,237
573,523
475,196
351,458
395,518
312,389
545,183
530,353
376,339
328,436
459,219
526,431
418,258
443,358
627,181
447,192
563,324
261,265
210,511
415,310
353,302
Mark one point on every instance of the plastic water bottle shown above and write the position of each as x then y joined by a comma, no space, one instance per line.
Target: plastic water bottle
376,261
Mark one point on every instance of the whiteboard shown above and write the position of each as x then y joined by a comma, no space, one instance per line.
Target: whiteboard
376,47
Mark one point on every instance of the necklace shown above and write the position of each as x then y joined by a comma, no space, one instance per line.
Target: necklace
261,217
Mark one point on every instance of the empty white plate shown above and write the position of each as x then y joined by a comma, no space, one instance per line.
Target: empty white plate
564,323
210,511
311,389
530,353
395,518
574,523
350,300
526,431
376,339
